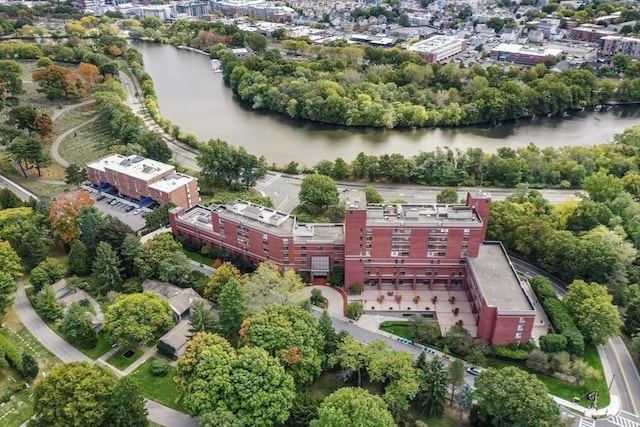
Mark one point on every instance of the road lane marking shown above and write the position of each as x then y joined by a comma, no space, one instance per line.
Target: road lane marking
624,377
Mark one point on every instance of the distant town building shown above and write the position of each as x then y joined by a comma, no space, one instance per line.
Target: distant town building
522,54
144,179
439,48
259,9
612,45
589,33
193,8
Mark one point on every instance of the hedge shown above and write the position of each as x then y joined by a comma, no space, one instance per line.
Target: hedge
553,343
509,353
563,323
543,289
11,353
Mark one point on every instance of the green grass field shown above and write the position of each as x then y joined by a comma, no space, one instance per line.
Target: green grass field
89,143
160,389
120,362
101,347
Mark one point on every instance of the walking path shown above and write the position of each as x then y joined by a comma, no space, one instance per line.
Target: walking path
56,144
158,413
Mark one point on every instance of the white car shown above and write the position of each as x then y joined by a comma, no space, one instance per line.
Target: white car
137,211
474,370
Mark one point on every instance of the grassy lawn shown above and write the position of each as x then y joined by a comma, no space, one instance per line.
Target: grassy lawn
326,384
38,187
160,389
73,118
20,408
101,347
198,257
120,362
89,143
398,328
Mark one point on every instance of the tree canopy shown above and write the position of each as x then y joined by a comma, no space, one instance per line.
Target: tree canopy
353,407
510,396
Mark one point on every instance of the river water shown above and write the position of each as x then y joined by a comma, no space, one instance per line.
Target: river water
195,98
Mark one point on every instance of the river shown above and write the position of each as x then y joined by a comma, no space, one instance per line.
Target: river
195,98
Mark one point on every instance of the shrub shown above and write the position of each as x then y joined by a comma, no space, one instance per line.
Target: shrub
542,288
509,353
39,278
553,343
159,368
354,310
11,353
166,350
355,289
563,323
316,298
29,366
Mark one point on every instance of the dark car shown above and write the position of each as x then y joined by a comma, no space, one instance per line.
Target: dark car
101,197
129,208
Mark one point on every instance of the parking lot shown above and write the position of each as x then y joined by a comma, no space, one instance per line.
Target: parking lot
126,211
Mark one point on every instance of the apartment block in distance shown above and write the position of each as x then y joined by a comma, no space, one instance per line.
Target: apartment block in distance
140,178
438,48
386,249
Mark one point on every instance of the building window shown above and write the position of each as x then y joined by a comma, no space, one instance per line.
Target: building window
394,253
518,335
522,320
430,254
404,253
520,328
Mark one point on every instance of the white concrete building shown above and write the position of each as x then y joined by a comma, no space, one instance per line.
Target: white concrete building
439,48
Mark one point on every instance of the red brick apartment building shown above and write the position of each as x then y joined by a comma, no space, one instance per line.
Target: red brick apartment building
391,248
141,178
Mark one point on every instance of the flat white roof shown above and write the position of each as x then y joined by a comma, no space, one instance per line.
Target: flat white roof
527,50
134,166
435,43
170,183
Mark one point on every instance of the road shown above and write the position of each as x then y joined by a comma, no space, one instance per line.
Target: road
67,353
24,194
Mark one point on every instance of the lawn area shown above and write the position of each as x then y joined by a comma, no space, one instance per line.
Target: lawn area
120,362
198,257
20,408
326,384
101,347
569,391
89,143
73,118
398,328
32,183
160,389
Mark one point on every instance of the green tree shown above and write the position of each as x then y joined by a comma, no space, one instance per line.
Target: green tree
75,175
10,82
331,338
39,278
126,407
128,252
603,187
175,269
153,251
267,285
106,268
255,41
592,308
9,260
201,319
372,195
316,298
137,319
447,195
29,366
79,261
340,169
155,146
290,334
318,190
510,396
464,399
220,277
354,310
433,389
353,407
455,377
47,304
7,289
77,327
29,236
73,394
262,391
231,309
220,418
9,200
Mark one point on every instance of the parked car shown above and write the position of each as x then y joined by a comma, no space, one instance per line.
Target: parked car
137,211
101,197
129,208
113,202
474,370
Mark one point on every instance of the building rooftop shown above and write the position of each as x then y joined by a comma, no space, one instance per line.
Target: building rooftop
434,43
198,216
434,214
259,217
170,183
134,166
527,50
318,233
497,279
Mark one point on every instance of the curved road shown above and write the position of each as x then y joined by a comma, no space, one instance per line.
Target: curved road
67,353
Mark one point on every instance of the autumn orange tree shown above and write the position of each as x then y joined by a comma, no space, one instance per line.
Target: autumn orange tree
58,82
90,73
63,212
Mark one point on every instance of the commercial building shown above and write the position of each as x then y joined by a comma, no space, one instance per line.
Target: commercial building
258,9
144,180
522,54
386,249
589,33
439,48
612,45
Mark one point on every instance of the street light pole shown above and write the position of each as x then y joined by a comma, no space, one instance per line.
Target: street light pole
611,383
